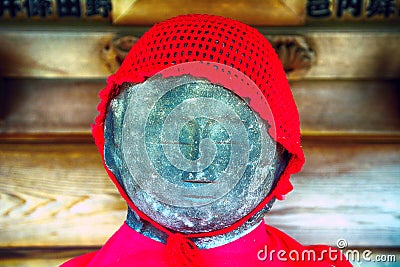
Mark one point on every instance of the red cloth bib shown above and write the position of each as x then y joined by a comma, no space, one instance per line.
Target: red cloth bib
264,246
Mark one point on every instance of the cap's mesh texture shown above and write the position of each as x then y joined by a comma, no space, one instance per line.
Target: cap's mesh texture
217,39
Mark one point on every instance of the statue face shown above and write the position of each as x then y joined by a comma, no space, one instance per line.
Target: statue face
191,154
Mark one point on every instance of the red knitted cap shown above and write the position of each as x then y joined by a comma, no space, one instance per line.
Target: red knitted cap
211,38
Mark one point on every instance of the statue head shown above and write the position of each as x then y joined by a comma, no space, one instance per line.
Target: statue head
199,130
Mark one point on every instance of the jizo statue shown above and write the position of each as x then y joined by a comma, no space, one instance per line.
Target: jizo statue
199,131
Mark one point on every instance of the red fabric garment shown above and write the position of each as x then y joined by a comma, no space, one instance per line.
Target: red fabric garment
274,248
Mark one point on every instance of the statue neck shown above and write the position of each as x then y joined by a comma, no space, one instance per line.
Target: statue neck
148,230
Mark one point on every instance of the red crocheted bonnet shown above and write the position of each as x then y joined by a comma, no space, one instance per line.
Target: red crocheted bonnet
190,38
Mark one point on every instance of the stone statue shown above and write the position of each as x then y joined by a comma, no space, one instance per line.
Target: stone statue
199,131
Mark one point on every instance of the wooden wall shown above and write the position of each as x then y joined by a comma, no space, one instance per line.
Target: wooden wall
56,200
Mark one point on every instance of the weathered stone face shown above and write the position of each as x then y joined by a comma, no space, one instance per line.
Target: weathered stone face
190,154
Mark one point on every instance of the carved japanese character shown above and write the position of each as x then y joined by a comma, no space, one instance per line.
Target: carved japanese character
38,8
318,8
13,7
380,7
352,6
68,8
98,7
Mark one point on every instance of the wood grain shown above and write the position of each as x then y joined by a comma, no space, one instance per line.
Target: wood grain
78,54
65,109
59,195
348,107
48,256
53,54
49,106
352,188
355,55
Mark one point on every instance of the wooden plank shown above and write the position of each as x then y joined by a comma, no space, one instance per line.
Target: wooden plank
50,106
355,55
61,187
348,107
24,257
345,191
65,109
53,53
54,257
255,12
351,188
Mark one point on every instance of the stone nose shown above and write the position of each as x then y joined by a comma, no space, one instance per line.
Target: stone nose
201,141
